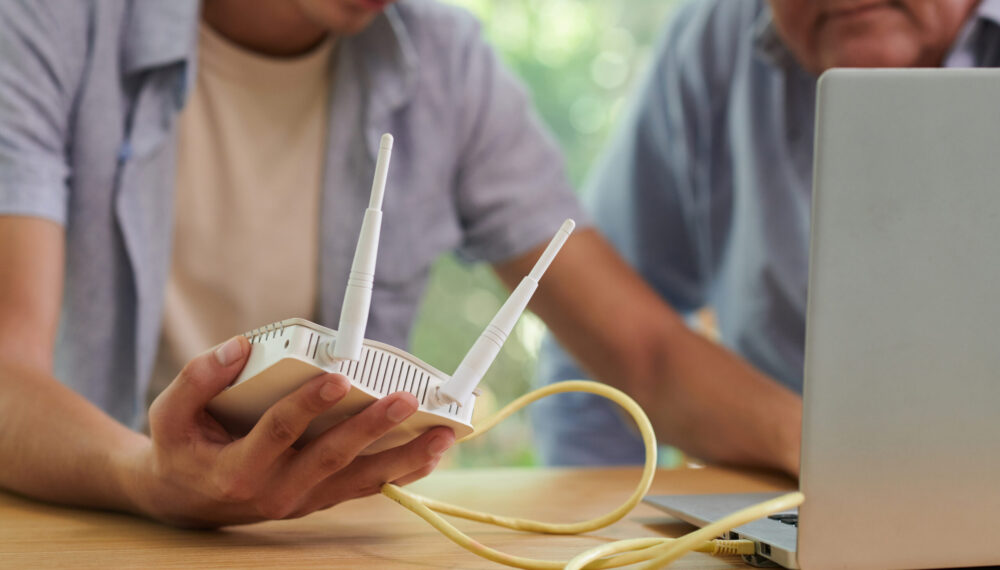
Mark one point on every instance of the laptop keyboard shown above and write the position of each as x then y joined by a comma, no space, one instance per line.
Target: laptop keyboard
792,519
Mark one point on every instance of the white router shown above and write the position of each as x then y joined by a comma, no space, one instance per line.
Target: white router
286,354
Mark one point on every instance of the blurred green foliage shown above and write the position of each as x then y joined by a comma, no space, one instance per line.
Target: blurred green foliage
578,58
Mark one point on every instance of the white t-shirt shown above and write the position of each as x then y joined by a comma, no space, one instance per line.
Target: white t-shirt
250,158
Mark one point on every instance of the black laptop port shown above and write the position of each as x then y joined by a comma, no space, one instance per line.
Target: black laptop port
765,549
758,561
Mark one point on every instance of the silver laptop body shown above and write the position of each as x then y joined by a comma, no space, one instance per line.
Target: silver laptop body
901,420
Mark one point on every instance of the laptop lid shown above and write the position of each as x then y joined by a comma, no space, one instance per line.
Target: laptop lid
901,434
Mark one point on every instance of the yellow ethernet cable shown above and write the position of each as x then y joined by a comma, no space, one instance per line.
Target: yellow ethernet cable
657,552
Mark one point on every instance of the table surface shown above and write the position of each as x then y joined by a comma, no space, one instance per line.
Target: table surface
374,531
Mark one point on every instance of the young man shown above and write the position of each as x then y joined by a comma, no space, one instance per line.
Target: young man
706,189
134,234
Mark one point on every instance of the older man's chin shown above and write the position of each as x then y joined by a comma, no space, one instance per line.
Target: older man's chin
874,52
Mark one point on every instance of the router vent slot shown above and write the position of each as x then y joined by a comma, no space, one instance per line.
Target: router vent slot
409,381
379,373
385,373
365,375
385,363
265,332
394,379
404,368
424,380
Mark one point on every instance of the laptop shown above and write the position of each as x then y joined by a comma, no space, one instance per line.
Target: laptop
901,418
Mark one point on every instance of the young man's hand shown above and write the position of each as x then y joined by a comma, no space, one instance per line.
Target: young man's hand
191,472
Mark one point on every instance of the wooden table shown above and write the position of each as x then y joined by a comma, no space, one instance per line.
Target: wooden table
372,532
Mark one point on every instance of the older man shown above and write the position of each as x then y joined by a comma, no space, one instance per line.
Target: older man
706,188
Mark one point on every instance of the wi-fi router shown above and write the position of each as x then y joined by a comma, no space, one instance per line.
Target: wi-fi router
287,354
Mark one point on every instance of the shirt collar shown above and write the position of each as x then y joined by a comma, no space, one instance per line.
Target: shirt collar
976,44
389,58
767,43
159,33
989,10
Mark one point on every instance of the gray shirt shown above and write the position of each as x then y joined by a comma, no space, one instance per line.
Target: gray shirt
89,94
706,190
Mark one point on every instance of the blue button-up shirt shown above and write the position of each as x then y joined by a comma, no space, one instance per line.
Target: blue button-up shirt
706,190
89,94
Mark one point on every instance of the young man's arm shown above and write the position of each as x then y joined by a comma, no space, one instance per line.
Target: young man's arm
38,416
56,446
700,397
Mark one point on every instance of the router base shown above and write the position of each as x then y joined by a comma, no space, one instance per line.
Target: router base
286,355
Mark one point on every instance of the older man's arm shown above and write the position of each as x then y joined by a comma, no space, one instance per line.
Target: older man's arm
700,397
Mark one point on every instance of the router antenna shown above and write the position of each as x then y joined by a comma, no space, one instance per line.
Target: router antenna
487,346
358,296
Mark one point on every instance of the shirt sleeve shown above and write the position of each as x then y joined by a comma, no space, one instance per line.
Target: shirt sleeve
650,193
511,187
39,70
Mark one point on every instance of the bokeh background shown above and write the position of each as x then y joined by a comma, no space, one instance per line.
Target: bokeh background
579,59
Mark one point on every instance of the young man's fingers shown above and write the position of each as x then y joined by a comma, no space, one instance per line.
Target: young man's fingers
201,380
338,447
434,443
366,474
285,422
393,464
417,475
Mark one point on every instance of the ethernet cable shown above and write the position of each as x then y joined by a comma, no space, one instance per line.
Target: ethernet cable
657,552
